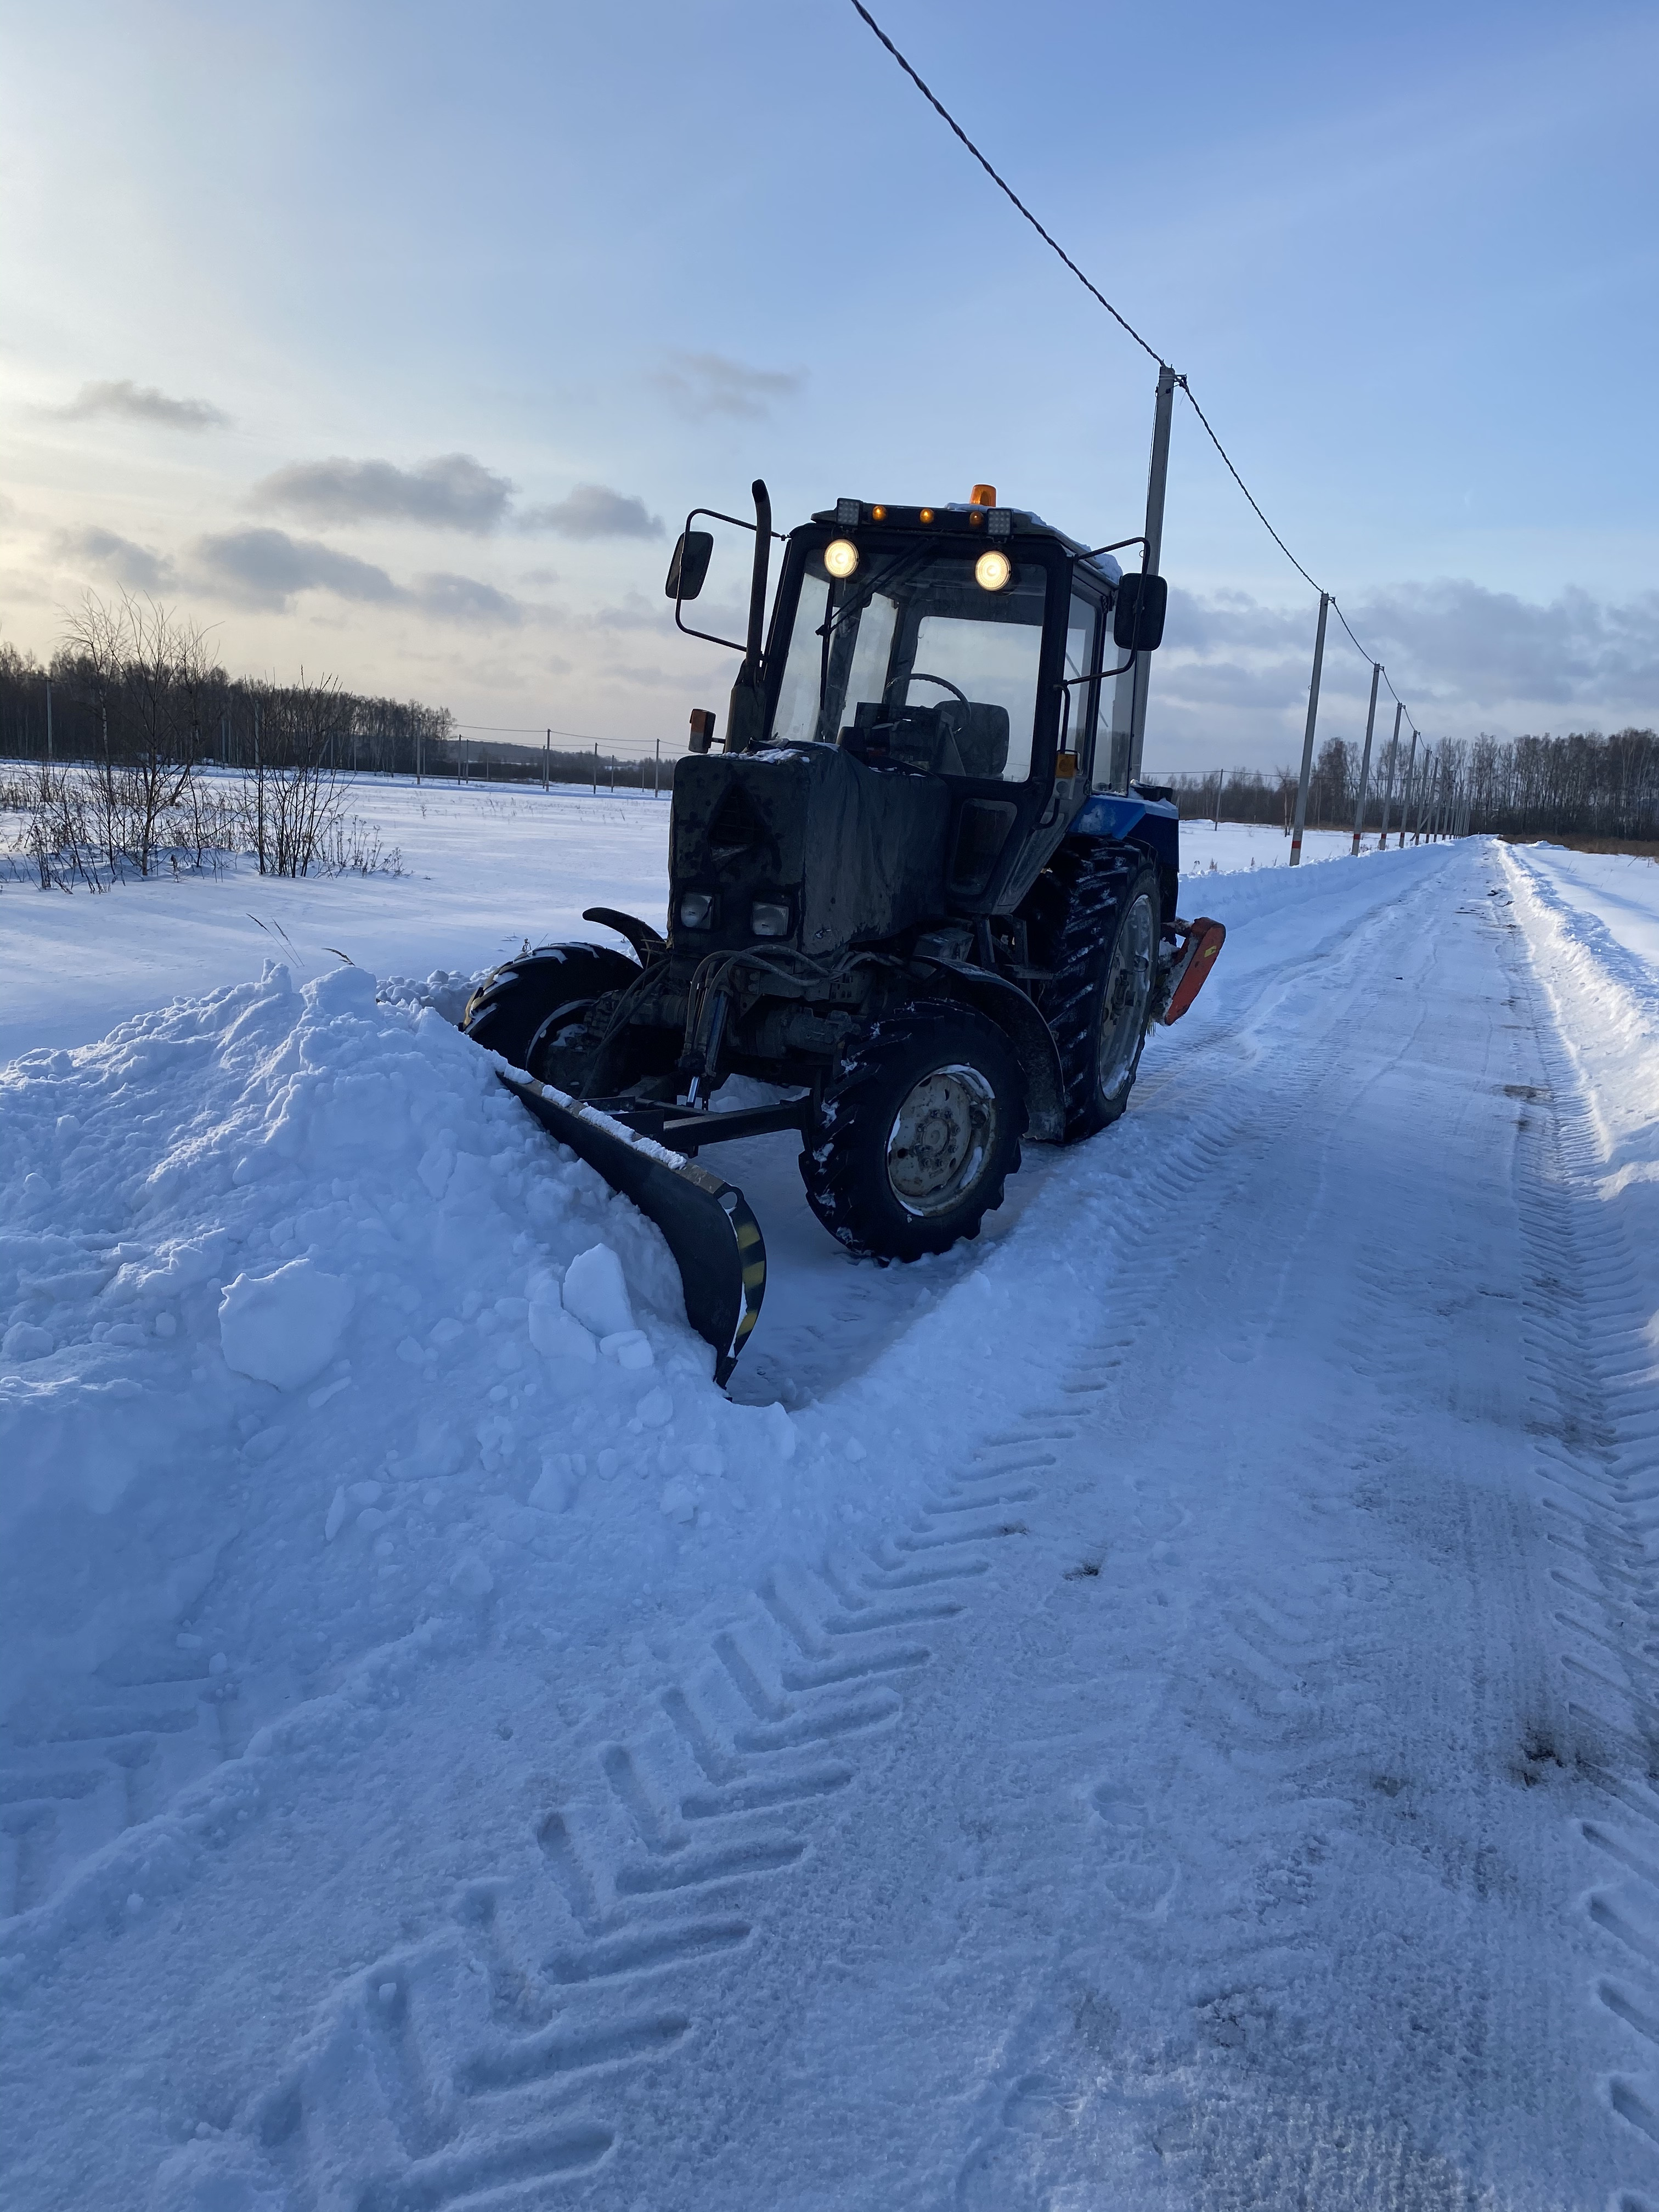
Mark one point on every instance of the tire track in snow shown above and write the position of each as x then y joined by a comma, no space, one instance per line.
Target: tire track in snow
1591,1357
482,2056
653,1877
80,1773
1277,1701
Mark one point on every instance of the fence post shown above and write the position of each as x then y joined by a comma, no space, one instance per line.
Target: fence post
1308,738
1158,473
1365,763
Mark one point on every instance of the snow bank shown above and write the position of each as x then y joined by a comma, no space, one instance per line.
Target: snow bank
311,1340
1593,922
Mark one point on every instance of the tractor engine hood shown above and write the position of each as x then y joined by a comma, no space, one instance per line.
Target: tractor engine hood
804,846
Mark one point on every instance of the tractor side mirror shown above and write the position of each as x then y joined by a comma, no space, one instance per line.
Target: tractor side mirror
1138,617
689,566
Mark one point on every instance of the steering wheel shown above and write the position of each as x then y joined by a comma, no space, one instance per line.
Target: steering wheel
918,675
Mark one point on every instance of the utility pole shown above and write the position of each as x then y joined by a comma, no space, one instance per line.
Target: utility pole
596,771
1308,738
1388,788
1156,477
1405,789
656,773
1366,765
547,759
1418,790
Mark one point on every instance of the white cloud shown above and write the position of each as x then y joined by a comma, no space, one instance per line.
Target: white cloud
465,599
136,566
594,511
451,492
266,567
142,403
700,384
1231,681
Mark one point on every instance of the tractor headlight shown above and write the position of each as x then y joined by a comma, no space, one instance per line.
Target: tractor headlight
695,909
992,570
770,918
840,557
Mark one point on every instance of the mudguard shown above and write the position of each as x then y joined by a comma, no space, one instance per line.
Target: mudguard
714,1238
1033,1041
1200,941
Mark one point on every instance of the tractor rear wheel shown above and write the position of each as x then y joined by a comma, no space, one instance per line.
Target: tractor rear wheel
916,1132
523,1008
1099,938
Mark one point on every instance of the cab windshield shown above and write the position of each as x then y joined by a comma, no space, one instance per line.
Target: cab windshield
914,661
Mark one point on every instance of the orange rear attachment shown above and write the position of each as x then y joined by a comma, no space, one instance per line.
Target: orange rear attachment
1203,939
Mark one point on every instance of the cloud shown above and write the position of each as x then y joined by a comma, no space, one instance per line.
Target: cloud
1232,679
593,511
142,403
465,599
452,492
704,384
267,569
1469,644
134,565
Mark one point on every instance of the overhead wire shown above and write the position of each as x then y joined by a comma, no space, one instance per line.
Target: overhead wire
1002,186
1123,320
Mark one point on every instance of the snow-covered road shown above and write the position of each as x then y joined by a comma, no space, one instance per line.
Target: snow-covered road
1163,1720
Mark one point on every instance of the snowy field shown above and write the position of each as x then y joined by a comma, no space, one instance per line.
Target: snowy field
484,866
1153,1710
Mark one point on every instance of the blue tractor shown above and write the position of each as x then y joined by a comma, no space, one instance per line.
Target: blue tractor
914,891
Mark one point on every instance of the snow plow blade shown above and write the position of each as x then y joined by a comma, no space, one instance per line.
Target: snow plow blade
1204,938
714,1238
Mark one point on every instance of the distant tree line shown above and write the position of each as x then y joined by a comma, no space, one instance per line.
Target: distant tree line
145,710
1584,785
130,681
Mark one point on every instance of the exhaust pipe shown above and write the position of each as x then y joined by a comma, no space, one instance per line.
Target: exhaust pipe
744,725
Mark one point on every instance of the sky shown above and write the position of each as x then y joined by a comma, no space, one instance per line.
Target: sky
395,344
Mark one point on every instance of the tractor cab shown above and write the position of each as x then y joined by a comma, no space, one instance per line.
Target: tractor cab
963,643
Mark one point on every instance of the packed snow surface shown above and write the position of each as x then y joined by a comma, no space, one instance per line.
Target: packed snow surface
1154,1709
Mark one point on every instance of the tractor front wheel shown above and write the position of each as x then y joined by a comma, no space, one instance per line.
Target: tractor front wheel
916,1132
525,1007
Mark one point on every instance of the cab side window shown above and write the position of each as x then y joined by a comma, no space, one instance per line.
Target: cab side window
1084,628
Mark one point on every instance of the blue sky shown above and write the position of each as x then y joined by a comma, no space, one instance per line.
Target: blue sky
396,342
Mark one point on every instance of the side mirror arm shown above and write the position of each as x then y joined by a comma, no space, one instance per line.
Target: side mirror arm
734,645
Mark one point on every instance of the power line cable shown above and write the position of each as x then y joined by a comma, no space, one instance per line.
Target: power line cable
1002,186
1149,351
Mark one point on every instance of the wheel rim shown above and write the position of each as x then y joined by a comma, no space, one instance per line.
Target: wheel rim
1124,1001
941,1137
550,1032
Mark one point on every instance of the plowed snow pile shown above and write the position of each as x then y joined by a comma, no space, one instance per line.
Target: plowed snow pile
300,1307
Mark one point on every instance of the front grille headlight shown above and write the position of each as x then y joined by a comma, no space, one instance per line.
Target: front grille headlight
770,918
696,909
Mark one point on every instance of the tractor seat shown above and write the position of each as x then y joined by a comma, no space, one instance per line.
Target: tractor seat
974,739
